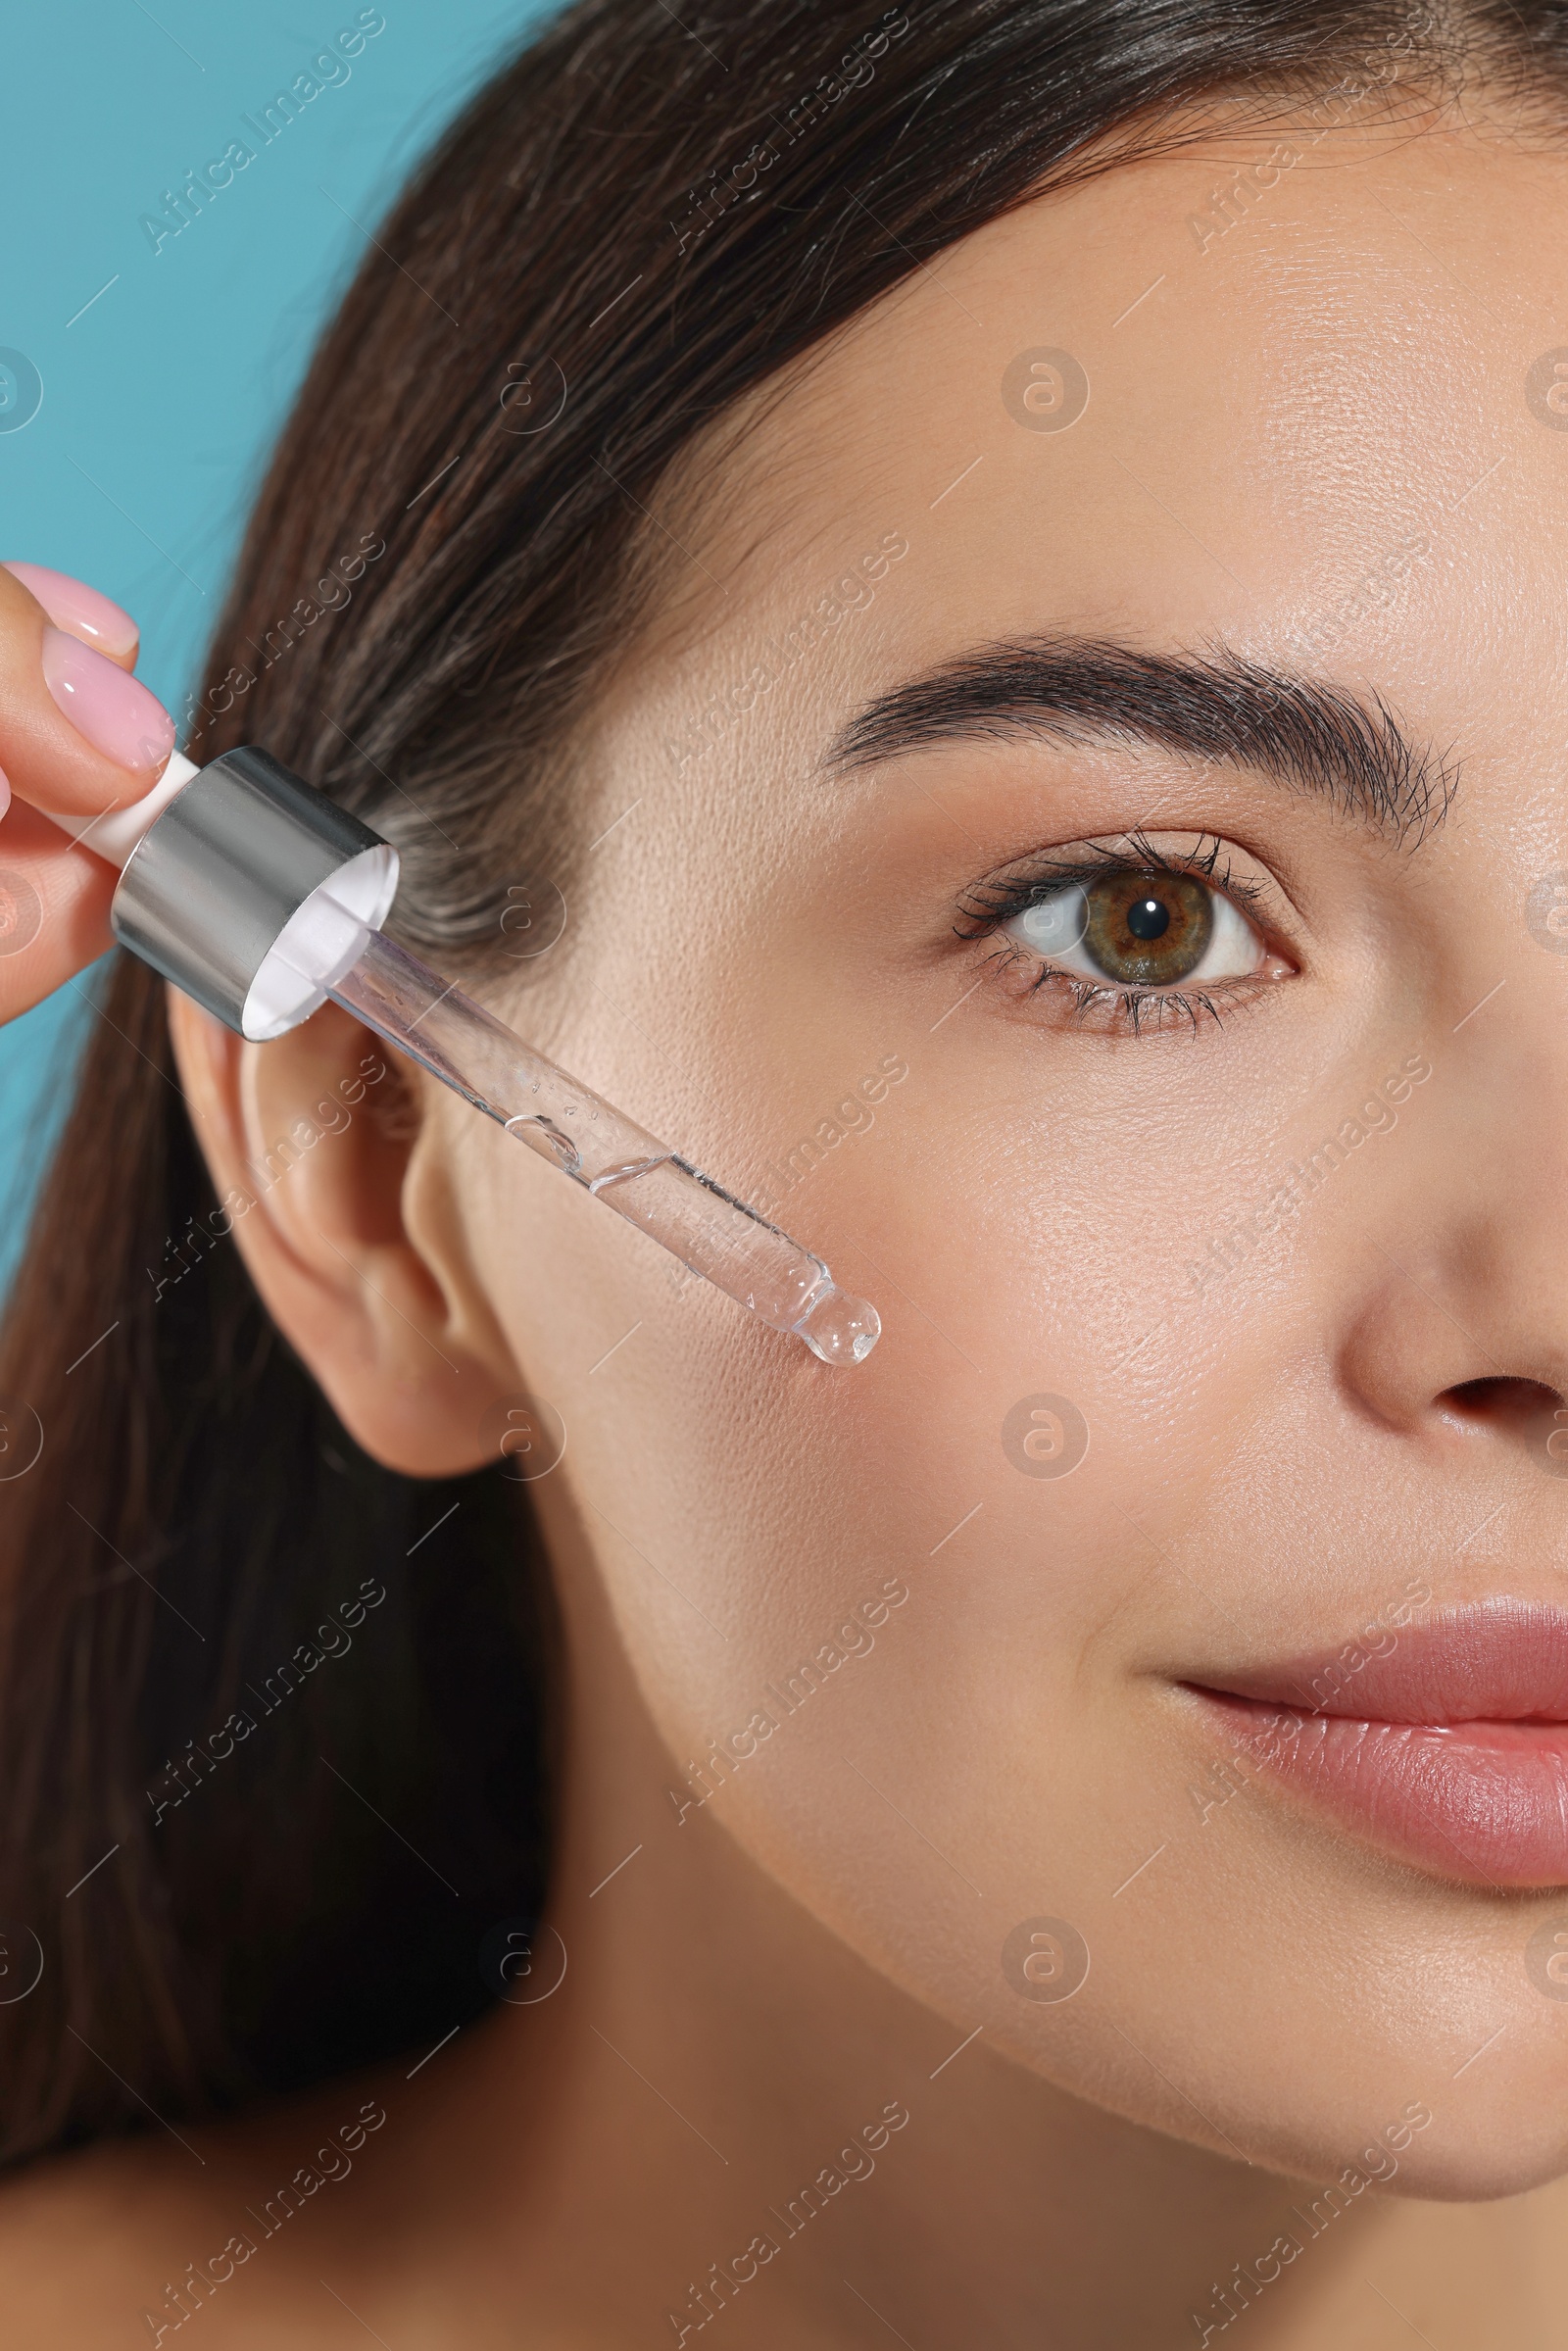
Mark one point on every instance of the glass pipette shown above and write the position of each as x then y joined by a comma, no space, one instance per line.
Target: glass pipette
619,1161
261,898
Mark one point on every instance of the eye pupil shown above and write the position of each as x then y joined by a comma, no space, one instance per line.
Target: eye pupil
1147,931
1149,919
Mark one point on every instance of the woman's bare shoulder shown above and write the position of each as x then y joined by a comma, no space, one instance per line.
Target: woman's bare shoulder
123,2241
92,2240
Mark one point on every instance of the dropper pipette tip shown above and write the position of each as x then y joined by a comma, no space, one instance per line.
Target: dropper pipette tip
837,1328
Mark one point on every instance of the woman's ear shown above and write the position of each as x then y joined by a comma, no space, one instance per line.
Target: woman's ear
339,1197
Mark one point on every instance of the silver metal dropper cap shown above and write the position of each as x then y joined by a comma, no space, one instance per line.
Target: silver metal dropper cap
250,890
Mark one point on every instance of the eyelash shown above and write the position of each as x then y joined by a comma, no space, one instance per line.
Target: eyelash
987,905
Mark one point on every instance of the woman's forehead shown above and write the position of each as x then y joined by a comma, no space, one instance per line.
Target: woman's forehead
1301,419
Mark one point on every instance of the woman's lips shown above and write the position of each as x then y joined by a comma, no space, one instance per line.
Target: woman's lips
1449,1748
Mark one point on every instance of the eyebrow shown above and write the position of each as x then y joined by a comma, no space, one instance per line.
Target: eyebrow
1304,732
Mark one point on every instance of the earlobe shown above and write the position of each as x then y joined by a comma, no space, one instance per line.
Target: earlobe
346,1214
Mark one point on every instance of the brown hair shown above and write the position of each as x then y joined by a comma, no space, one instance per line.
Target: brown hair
630,226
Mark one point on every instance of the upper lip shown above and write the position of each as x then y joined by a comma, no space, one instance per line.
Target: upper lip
1500,1660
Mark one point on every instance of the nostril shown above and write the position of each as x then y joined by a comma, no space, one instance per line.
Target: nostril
1502,1402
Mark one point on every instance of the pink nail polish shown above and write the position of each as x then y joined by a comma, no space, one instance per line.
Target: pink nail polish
113,711
71,604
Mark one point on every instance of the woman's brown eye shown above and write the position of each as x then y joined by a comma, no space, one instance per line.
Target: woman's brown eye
1148,930
1140,930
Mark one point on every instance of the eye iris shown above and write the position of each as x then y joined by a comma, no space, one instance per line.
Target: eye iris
1148,930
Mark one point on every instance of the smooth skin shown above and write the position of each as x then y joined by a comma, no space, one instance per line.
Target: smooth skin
755,1980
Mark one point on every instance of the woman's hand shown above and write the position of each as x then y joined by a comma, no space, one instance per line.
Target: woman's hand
79,735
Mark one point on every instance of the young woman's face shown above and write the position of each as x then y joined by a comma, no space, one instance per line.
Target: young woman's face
1210,1188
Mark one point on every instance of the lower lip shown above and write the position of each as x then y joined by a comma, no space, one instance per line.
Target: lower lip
1484,1802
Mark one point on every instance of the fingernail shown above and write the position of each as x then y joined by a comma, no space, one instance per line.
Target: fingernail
4,792
71,604
113,711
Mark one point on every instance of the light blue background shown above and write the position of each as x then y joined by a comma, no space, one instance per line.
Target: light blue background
161,398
